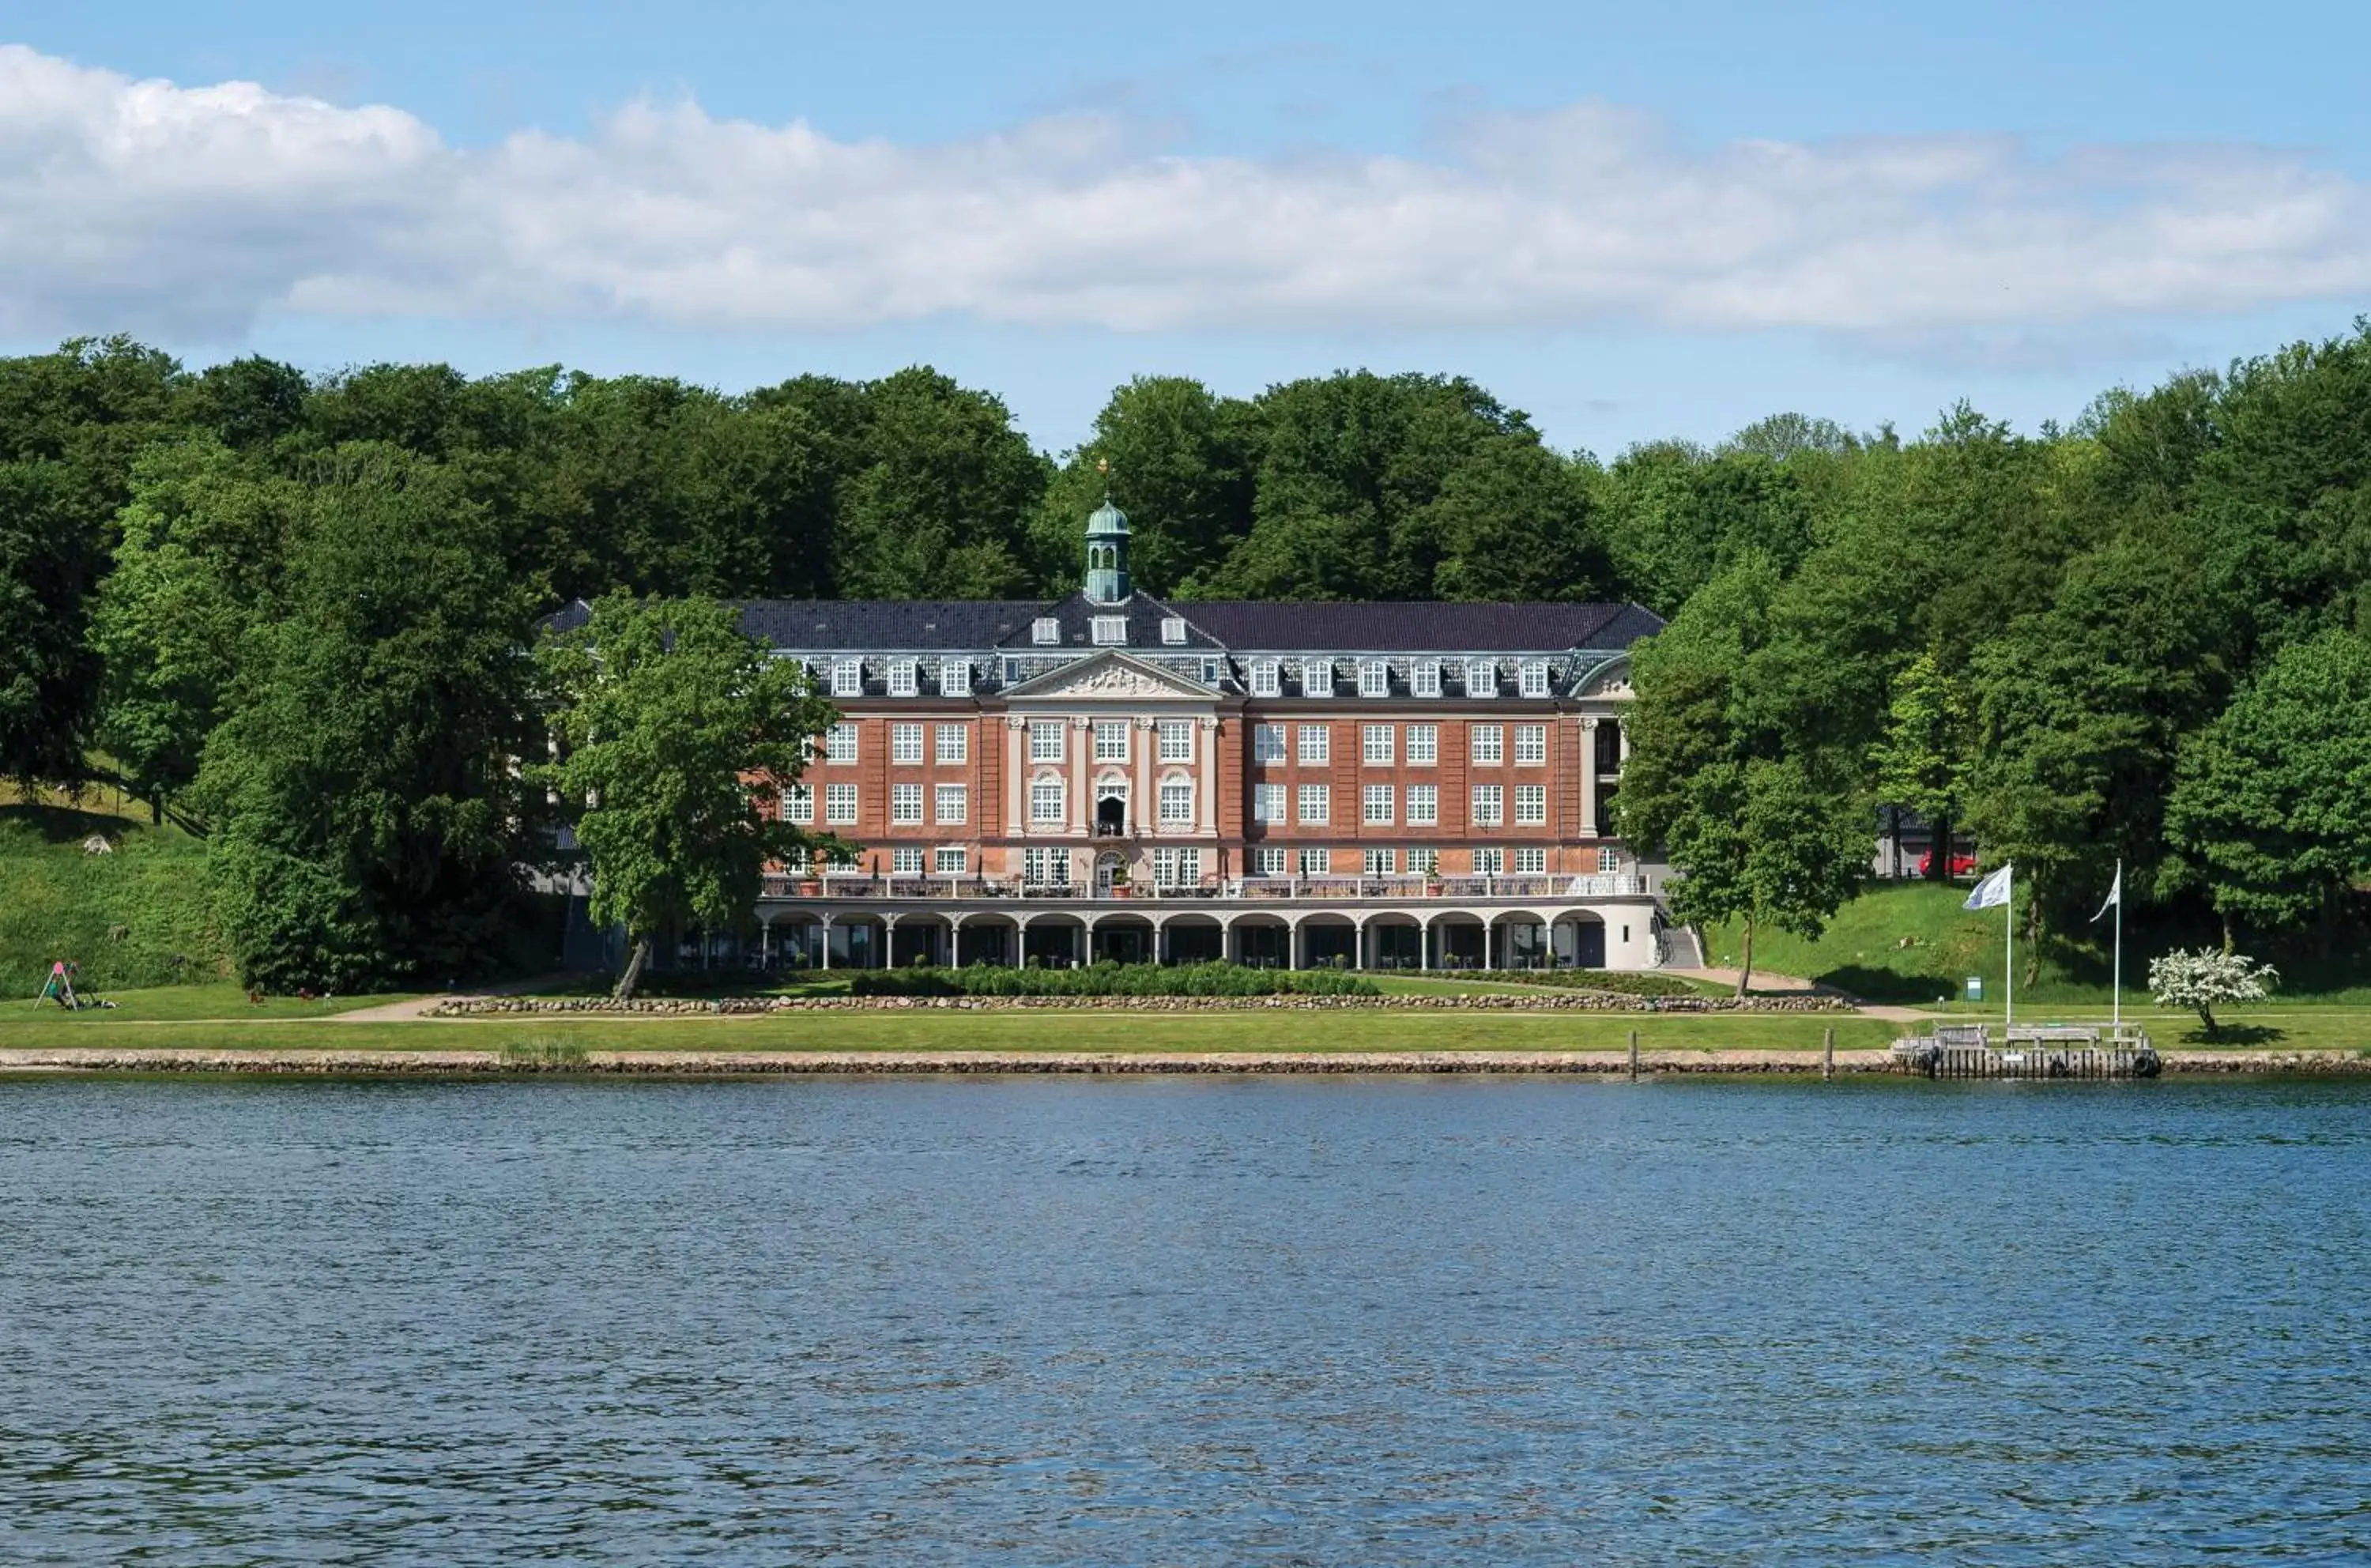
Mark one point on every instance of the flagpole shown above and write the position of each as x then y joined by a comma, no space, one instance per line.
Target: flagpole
2116,994
2009,934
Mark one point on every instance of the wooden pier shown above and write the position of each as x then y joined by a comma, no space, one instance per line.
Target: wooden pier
1969,1051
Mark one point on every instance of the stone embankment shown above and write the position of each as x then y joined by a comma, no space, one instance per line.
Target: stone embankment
696,1064
1571,1001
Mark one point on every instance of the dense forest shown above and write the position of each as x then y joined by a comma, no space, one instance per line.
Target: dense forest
290,609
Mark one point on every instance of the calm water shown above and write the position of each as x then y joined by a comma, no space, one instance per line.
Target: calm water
1261,1322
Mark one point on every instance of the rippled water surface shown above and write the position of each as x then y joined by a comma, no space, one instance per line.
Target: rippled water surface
1203,1322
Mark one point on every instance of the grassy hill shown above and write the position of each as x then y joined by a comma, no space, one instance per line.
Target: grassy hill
1911,942
134,916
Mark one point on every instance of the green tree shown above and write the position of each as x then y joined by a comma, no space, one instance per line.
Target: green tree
1181,461
1922,763
363,787
938,506
205,541
666,710
1761,824
2273,802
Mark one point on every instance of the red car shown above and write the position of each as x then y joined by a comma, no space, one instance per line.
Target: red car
1961,865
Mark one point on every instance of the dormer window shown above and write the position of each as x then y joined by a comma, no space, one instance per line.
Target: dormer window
1317,677
1111,631
1044,629
1534,678
1374,678
901,678
1424,677
1481,678
848,677
1264,678
1209,672
1173,631
955,677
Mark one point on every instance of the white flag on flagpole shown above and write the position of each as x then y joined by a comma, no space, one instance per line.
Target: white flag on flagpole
1991,892
2115,893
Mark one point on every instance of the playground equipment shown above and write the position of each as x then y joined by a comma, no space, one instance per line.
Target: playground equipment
60,989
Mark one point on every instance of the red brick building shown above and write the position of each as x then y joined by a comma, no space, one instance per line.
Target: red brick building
1114,774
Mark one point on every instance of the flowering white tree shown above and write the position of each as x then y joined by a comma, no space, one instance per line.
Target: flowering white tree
2208,978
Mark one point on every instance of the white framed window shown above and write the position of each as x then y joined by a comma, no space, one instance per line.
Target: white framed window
1046,801
839,804
1533,677
1489,806
1268,743
1489,862
1269,862
1264,680
1382,862
902,679
1046,740
848,677
1109,632
1481,678
1609,860
1376,800
1176,801
1317,802
1111,740
1209,672
955,677
905,743
954,804
1530,744
1374,678
904,862
1317,863
798,802
1531,862
1424,677
1424,805
950,861
1268,803
1375,745
954,742
1316,743
1531,805
1423,744
839,744
904,803
1484,743
1317,677
1176,740
1173,631
1045,867
1424,863
1044,629
1177,868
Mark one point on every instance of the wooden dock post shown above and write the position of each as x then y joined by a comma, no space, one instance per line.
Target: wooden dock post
1634,1055
1827,1054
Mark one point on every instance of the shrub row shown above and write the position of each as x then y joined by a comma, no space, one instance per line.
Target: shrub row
1627,982
1110,980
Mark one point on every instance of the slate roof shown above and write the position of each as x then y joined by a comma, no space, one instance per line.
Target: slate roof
1417,627
1237,625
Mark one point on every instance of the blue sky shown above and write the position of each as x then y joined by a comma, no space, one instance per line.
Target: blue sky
1632,221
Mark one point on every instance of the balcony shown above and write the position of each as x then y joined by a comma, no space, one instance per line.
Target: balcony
1240,890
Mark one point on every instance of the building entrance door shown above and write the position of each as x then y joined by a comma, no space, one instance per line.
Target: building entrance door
1106,874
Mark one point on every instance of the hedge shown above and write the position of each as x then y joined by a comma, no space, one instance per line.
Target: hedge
1110,980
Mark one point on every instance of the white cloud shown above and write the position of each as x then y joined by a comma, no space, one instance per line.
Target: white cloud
161,208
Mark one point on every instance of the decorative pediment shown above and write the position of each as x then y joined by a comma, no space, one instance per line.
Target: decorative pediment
1109,678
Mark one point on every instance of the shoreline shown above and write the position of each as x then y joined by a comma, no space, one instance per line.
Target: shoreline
332,1062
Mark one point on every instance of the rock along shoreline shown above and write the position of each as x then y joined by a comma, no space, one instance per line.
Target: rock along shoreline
326,1062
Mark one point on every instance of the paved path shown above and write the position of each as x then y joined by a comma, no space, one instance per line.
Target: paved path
419,1007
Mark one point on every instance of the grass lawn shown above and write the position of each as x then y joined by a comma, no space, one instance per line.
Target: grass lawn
1863,952
2292,1026
181,1004
893,1030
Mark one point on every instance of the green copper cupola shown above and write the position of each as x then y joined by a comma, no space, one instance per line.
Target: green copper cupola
1106,554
